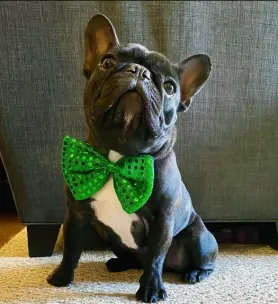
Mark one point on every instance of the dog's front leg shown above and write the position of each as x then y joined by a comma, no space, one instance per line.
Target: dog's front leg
159,240
72,234
72,230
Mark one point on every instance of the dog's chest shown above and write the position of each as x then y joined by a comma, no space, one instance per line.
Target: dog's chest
108,209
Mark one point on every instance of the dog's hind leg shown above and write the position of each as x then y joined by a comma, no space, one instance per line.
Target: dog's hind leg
193,252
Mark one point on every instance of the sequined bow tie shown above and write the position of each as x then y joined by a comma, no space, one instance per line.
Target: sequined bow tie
86,172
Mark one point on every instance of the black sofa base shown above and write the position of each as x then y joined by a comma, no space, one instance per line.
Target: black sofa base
42,239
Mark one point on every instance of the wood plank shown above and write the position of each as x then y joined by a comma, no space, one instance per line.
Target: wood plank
10,225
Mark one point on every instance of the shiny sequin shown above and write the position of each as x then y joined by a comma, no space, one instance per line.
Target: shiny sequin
86,172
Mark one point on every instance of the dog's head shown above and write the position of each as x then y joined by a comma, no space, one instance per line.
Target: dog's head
133,95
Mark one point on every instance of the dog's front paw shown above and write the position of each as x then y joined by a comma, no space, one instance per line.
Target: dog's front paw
60,277
150,294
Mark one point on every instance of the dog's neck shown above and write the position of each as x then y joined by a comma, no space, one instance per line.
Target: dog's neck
165,149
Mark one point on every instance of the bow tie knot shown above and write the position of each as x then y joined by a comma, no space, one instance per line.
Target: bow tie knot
111,168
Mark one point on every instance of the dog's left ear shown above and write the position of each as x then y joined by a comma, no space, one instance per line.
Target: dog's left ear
194,72
99,36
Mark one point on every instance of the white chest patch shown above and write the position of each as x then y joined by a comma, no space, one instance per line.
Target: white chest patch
109,211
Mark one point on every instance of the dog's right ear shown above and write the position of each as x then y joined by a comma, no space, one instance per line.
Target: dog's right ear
99,37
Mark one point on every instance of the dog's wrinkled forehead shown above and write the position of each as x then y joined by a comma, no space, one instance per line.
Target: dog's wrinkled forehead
138,54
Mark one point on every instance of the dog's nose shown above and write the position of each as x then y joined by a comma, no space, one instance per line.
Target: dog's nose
133,68
146,74
139,71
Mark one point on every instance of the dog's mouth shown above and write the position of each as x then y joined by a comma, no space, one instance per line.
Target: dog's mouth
128,116
126,112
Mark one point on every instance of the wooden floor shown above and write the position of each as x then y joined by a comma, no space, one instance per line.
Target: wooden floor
10,225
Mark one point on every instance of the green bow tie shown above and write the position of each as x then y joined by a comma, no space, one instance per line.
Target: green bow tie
86,172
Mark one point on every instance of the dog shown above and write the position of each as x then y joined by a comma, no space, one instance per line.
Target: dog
132,99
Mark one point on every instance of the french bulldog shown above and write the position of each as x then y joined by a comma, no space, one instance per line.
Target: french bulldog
132,99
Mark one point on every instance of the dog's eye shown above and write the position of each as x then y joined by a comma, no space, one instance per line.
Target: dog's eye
169,88
108,63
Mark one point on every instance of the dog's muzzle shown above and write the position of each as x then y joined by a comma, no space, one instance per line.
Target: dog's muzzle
126,114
